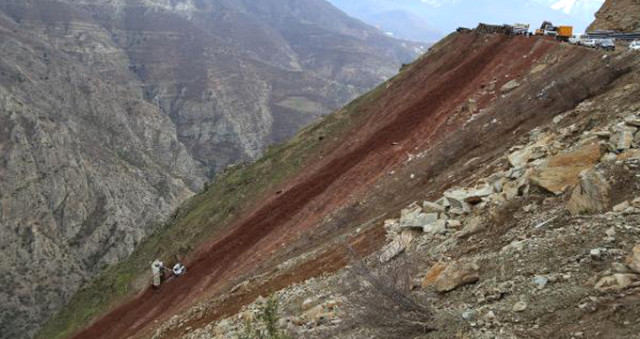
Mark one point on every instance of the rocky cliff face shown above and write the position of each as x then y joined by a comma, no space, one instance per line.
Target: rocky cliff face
87,169
114,112
621,15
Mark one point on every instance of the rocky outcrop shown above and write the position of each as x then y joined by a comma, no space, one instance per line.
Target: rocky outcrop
87,169
621,15
114,112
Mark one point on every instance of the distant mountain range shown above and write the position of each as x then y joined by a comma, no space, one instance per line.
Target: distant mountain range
429,20
113,112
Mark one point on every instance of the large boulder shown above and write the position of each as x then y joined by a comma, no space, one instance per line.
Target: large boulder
590,195
523,156
410,215
539,149
432,207
448,277
623,137
563,170
398,245
460,198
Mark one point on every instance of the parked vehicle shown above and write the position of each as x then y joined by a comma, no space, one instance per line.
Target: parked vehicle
606,44
589,43
562,33
635,45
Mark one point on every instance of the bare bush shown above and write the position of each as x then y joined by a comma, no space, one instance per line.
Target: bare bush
383,301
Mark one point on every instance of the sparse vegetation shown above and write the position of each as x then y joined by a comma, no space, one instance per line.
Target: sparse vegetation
383,301
265,326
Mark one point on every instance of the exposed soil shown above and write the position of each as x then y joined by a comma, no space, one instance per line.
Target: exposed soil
419,111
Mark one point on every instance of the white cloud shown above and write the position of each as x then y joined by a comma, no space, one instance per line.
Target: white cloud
568,6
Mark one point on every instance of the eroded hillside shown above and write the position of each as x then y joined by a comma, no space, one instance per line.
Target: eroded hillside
446,120
113,113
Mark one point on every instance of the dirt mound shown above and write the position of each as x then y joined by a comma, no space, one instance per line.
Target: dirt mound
442,112
620,15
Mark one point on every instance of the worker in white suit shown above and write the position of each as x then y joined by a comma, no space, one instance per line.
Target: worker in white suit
157,267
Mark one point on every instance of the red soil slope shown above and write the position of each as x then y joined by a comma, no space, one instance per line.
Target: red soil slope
414,112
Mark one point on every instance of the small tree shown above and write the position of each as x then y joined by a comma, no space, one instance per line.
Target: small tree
266,326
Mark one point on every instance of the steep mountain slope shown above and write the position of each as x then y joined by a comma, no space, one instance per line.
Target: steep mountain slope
440,122
621,15
114,112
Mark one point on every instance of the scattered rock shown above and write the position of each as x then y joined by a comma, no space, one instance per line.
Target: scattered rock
433,273
610,232
391,250
596,253
591,195
456,275
444,202
520,306
436,227
521,158
408,215
623,138
239,286
602,133
633,261
509,86
619,267
398,245
540,281
455,224
469,315
539,68
489,317
516,188
473,226
621,207
516,245
632,120
545,223
471,196
616,282
432,207
307,304
392,226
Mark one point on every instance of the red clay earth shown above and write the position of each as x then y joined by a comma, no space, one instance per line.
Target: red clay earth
411,113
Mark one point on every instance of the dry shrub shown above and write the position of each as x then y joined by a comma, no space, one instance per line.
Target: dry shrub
383,301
